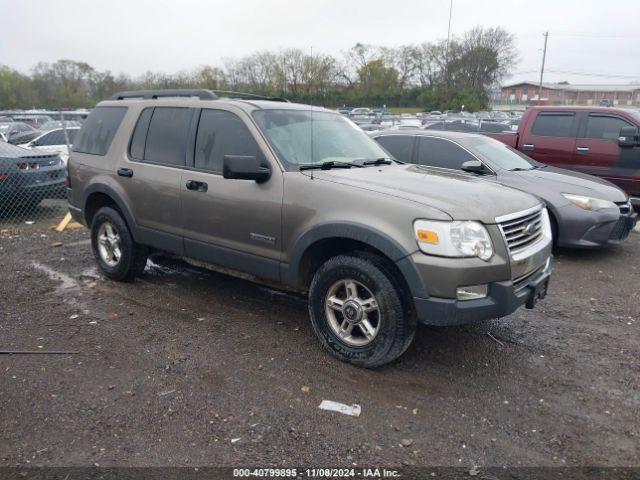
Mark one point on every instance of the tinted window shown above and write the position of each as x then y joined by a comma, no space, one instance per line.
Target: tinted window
604,128
221,133
436,152
400,146
167,137
98,130
556,125
52,138
138,140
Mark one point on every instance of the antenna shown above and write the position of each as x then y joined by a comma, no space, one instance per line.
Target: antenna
311,140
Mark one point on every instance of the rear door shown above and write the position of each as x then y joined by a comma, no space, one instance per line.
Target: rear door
551,138
228,222
152,174
442,153
400,146
598,153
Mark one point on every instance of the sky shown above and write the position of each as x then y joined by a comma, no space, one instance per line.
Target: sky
590,41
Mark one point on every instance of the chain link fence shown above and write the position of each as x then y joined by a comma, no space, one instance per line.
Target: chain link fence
33,172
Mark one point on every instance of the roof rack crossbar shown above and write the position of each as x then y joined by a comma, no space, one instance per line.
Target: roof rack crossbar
202,94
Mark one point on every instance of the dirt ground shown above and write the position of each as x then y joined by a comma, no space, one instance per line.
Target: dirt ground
190,367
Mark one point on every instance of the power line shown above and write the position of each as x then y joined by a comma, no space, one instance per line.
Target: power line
593,35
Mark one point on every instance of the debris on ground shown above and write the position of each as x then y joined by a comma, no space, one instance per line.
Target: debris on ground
406,442
305,389
352,410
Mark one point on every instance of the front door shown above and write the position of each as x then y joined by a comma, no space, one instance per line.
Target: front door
233,223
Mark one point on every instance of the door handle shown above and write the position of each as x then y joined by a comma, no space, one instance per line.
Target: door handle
125,172
196,186
529,147
582,149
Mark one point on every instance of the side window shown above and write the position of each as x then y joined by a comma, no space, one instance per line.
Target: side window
167,136
139,137
436,152
400,146
553,125
221,133
47,139
98,130
604,127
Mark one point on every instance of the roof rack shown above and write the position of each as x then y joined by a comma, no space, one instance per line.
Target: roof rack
248,96
202,94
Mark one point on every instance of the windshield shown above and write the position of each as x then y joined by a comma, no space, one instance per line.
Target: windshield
495,152
335,139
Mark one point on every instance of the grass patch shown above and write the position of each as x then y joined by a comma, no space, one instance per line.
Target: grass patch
399,110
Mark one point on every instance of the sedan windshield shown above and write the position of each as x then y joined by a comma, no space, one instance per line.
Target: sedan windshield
303,138
495,152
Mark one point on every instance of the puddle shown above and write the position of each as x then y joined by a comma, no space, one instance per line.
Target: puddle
67,282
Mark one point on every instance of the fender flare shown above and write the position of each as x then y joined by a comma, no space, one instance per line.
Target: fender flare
117,198
291,273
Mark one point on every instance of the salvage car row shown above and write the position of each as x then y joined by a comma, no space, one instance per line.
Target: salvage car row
380,239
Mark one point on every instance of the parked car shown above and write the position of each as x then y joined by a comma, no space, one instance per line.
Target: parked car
361,111
243,185
10,130
53,141
53,124
27,177
33,120
604,142
585,211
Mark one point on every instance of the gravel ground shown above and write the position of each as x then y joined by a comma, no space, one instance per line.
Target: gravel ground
189,367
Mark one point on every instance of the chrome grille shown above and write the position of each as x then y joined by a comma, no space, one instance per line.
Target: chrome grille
522,231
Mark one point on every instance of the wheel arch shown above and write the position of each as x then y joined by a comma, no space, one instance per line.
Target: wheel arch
325,241
99,195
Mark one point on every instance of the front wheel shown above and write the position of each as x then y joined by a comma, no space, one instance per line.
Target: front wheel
358,311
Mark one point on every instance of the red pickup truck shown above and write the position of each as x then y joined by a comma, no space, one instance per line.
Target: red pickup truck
599,141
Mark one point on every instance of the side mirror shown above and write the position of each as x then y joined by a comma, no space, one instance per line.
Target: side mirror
473,166
241,167
628,137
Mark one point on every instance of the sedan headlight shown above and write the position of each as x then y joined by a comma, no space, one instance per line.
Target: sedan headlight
589,203
453,239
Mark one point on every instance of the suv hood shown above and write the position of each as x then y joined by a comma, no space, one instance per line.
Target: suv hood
460,196
567,181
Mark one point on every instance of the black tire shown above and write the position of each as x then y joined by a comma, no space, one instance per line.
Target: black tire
133,256
396,316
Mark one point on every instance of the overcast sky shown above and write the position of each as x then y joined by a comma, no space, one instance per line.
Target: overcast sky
596,37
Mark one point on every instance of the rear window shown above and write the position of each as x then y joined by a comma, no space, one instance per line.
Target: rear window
166,141
553,125
98,130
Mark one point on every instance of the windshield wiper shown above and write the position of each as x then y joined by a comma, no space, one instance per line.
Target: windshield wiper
329,165
518,169
378,161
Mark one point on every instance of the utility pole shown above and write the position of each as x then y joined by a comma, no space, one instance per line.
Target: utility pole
446,53
544,56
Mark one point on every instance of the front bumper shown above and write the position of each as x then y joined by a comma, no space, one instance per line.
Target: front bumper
583,229
503,299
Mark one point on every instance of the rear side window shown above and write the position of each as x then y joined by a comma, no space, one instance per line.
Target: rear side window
553,125
52,138
604,127
167,136
437,152
98,130
139,138
221,133
400,146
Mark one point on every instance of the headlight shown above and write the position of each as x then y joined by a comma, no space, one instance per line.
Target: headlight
453,239
589,203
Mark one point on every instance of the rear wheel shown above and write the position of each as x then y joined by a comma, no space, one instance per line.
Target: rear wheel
118,256
357,310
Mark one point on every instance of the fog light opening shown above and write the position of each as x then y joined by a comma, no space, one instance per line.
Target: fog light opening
472,292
